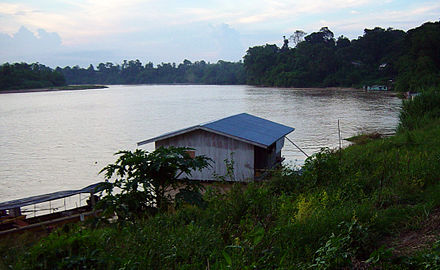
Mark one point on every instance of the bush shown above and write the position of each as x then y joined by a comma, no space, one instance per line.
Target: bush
419,111
143,180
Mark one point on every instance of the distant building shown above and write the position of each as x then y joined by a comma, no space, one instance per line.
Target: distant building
383,66
376,88
412,95
253,143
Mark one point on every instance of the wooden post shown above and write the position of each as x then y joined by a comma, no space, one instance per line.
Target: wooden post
15,212
92,200
339,133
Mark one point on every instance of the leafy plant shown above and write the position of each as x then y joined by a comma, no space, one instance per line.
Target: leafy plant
380,255
339,249
230,171
143,181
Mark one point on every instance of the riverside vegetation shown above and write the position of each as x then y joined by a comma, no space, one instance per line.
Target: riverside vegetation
29,76
405,61
369,206
35,76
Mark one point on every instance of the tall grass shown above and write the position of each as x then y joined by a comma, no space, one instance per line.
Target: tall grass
420,111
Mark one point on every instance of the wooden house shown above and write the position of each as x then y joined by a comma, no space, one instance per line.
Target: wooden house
253,144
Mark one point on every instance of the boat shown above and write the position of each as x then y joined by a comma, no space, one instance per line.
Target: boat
13,219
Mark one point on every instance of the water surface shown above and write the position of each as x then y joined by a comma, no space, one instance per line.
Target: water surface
51,141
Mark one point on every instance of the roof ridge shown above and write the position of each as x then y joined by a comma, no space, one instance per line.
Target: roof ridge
220,119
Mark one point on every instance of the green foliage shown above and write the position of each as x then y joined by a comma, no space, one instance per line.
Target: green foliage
407,61
67,251
152,244
133,72
26,76
339,250
321,60
419,66
380,256
419,111
322,167
143,180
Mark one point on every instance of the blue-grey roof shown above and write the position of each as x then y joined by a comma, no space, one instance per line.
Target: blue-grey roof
243,127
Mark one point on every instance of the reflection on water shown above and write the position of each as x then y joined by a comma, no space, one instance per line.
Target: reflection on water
60,140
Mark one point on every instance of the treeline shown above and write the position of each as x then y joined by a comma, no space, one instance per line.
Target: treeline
407,60
27,76
419,66
134,72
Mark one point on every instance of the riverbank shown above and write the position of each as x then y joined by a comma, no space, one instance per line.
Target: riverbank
57,88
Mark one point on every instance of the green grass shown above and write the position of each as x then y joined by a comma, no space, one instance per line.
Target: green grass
364,138
338,211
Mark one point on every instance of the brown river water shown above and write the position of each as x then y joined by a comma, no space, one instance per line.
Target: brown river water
52,141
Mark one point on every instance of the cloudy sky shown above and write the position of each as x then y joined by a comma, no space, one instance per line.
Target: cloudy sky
83,32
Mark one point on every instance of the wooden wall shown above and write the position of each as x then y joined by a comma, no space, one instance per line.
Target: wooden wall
218,148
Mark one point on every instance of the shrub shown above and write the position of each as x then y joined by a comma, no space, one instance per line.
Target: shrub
418,112
143,180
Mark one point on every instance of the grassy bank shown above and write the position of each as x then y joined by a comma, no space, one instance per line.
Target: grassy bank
356,208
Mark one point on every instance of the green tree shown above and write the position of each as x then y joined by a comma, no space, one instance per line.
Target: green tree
258,61
297,37
24,76
142,181
419,67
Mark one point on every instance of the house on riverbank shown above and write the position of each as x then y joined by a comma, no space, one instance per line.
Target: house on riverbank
376,88
249,144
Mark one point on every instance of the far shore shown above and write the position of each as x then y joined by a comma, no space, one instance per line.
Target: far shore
51,89
94,87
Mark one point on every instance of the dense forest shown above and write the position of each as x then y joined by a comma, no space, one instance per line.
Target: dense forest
133,72
27,76
406,60
401,60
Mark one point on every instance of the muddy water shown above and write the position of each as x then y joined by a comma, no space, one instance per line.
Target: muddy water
51,141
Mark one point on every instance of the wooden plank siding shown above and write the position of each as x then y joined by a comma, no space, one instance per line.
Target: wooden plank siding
218,148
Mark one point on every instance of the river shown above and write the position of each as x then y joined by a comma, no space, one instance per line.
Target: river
51,141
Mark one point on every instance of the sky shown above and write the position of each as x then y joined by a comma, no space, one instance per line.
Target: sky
84,32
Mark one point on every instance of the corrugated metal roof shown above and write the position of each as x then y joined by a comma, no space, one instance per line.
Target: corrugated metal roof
49,197
244,127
